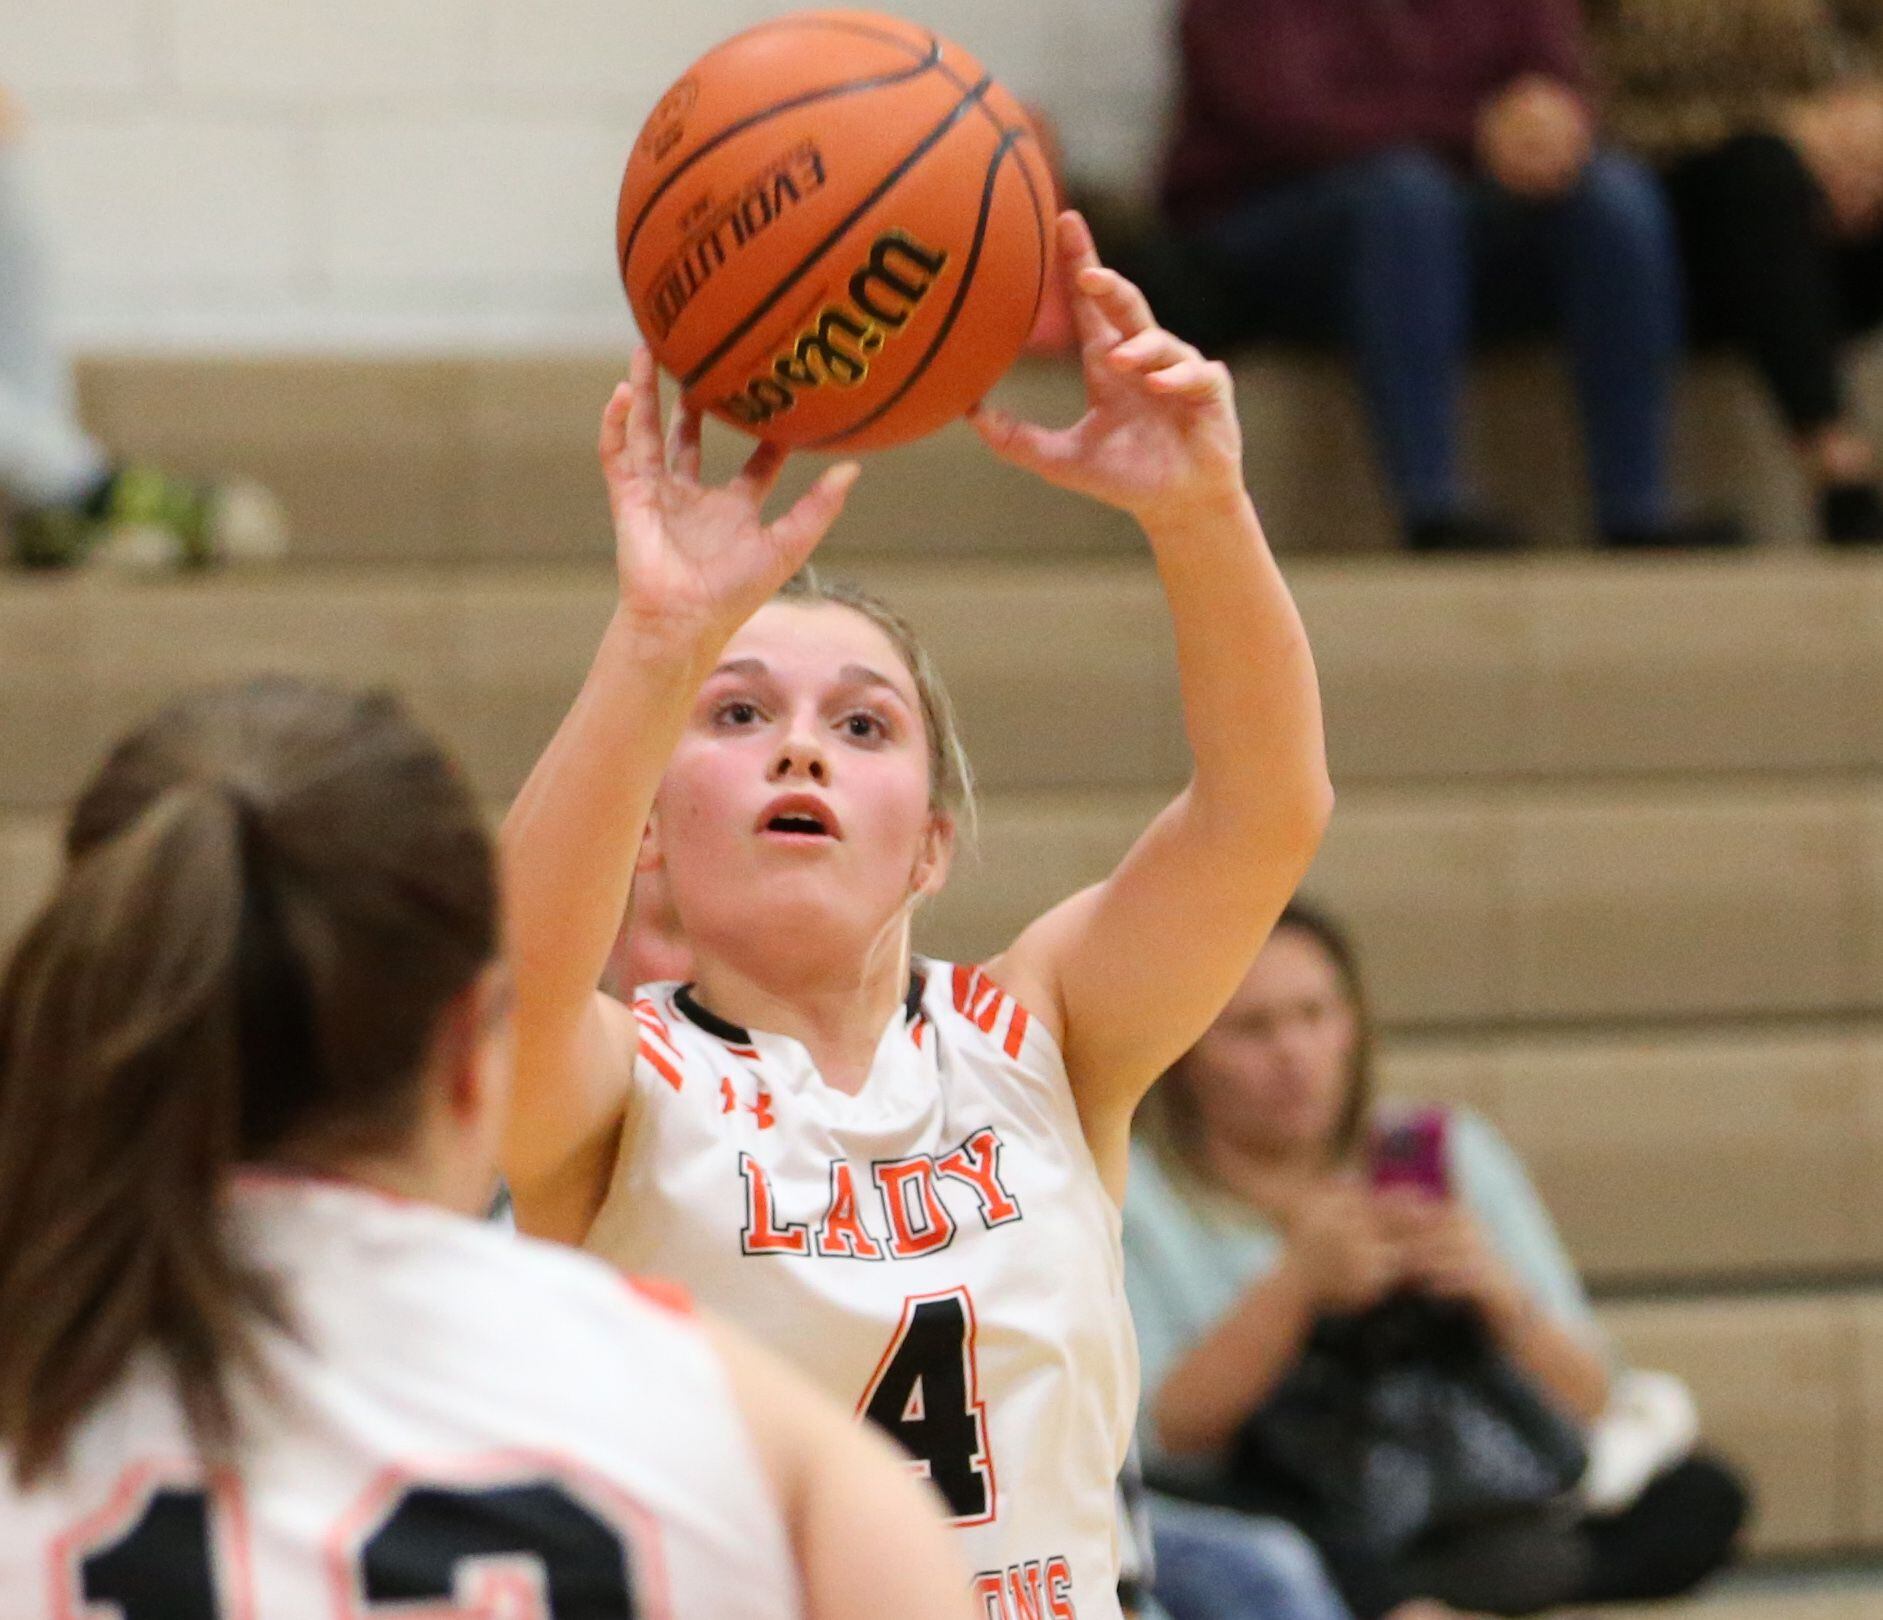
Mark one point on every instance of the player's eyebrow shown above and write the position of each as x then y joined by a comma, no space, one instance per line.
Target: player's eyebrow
748,667
863,675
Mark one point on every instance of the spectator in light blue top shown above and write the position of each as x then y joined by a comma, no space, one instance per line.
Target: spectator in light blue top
1264,1197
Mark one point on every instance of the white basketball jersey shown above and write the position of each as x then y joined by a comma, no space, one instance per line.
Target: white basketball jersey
468,1423
936,1251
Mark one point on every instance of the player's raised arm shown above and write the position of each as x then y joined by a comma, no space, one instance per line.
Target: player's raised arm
1135,968
693,563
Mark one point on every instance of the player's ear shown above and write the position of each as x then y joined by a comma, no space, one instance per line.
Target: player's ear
651,855
936,858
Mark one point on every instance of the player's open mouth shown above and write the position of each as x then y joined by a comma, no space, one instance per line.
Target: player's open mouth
799,816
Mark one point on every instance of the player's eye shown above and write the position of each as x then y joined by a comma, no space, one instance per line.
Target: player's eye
862,726
736,713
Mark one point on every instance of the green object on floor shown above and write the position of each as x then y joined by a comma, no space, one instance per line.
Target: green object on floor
148,519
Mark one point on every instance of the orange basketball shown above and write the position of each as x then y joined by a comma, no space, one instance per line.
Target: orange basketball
834,230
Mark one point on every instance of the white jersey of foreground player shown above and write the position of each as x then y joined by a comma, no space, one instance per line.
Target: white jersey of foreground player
463,1422
937,1252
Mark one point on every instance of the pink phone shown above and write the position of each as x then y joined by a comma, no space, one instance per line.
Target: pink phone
1409,1150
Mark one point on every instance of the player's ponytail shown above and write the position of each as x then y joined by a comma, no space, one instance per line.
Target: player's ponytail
271,894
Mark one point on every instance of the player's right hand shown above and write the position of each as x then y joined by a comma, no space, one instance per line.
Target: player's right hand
695,561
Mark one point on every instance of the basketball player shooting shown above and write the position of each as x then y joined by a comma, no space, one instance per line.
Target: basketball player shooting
903,1174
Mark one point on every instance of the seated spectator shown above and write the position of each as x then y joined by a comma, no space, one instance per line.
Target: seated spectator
1766,118
1269,1227
1406,178
71,501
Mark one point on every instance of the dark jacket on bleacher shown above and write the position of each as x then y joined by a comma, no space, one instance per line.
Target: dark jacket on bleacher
1277,88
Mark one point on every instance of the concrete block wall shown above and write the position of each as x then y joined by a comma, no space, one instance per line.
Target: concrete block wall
266,173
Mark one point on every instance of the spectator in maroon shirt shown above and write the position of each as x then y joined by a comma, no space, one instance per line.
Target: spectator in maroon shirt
1408,176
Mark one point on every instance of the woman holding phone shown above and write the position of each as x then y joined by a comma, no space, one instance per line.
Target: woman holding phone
1268,1195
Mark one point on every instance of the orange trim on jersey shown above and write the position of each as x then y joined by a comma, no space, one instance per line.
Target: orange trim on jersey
663,1292
1016,1031
660,1065
647,1011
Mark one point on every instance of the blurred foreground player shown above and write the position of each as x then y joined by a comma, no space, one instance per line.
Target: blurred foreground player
259,1358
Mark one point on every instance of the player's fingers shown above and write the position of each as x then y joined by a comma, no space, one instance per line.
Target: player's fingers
798,532
645,457
760,473
1189,379
683,441
1024,444
1077,254
1122,305
614,428
1150,351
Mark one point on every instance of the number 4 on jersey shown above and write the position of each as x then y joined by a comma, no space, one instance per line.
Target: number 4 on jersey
926,1396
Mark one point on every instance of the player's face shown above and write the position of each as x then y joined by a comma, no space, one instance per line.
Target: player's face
798,796
1273,1071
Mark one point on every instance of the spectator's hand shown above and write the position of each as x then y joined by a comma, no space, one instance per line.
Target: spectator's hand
1340,1250
1449,1257
1535,137
1840,137
1160,438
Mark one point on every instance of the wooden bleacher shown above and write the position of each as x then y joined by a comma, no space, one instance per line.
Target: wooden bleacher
1610,832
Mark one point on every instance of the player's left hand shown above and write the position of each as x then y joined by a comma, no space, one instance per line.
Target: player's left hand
1159,438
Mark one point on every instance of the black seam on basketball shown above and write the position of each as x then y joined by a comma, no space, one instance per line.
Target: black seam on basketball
960,83
843,227
830,92
843,25
921,366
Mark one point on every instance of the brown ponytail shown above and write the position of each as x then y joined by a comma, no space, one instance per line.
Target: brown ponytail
272,892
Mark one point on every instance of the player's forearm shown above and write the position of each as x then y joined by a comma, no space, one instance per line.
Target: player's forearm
1251,700
571,839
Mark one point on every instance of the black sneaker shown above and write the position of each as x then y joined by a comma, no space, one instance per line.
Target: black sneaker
1701,532
1464,534
1851,514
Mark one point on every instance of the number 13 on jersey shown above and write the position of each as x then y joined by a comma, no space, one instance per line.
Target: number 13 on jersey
926,1395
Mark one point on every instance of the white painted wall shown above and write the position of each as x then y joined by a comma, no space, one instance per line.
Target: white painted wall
423,173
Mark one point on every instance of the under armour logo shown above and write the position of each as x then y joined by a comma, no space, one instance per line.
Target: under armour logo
760,1110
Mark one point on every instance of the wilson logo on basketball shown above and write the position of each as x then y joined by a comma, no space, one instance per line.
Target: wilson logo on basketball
726,228
838,346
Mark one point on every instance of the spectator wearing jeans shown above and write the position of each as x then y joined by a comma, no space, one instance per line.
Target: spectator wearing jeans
1407,176
1766,118
1252,1219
